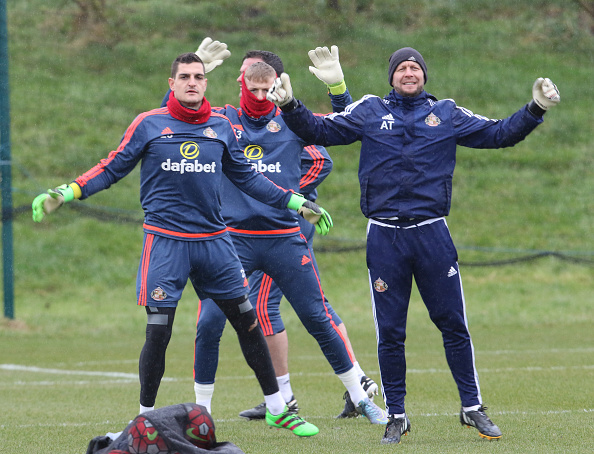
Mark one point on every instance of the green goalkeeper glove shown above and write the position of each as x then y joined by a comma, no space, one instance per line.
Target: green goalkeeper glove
49,202
311,212
212,53
327,68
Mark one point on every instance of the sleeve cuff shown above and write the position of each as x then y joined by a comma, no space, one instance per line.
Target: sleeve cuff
535,109
76,192
290,106
337,89
295,202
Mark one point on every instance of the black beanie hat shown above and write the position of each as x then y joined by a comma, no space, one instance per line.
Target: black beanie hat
404,54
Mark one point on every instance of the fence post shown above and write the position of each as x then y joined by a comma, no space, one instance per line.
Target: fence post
5,169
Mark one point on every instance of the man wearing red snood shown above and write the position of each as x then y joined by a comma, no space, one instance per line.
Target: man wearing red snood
272,244
186,150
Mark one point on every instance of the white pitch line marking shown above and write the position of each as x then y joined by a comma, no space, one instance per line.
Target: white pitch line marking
123,377
42,370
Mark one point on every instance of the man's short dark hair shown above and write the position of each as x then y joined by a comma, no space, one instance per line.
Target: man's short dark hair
188,57
267,57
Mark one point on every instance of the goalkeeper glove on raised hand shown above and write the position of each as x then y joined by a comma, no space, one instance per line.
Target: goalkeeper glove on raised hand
311,212
50,201
327,68
212,53
545,95
281,93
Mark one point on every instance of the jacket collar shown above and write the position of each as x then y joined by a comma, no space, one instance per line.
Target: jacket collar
394,98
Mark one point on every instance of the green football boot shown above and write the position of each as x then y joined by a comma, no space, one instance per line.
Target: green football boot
290,420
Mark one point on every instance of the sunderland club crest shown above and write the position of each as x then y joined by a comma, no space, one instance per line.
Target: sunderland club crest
432,120
380,286
209,132
158,294
273,126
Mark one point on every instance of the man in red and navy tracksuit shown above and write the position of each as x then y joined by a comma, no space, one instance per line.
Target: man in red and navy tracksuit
270,240
408,153
185,149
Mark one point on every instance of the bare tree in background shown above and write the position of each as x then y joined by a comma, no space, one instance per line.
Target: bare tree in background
96,21
588,7
91,13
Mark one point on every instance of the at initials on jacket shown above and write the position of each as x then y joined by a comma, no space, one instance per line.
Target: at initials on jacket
387,124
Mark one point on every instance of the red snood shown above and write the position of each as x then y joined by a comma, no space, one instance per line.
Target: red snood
251,105
188,115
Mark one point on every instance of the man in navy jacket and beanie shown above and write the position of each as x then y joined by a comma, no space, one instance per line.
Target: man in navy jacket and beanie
408,154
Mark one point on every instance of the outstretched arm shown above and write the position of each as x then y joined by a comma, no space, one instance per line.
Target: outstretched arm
335,129
476,131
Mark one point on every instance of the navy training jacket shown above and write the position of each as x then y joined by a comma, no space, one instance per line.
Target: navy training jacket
408,147
181,170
